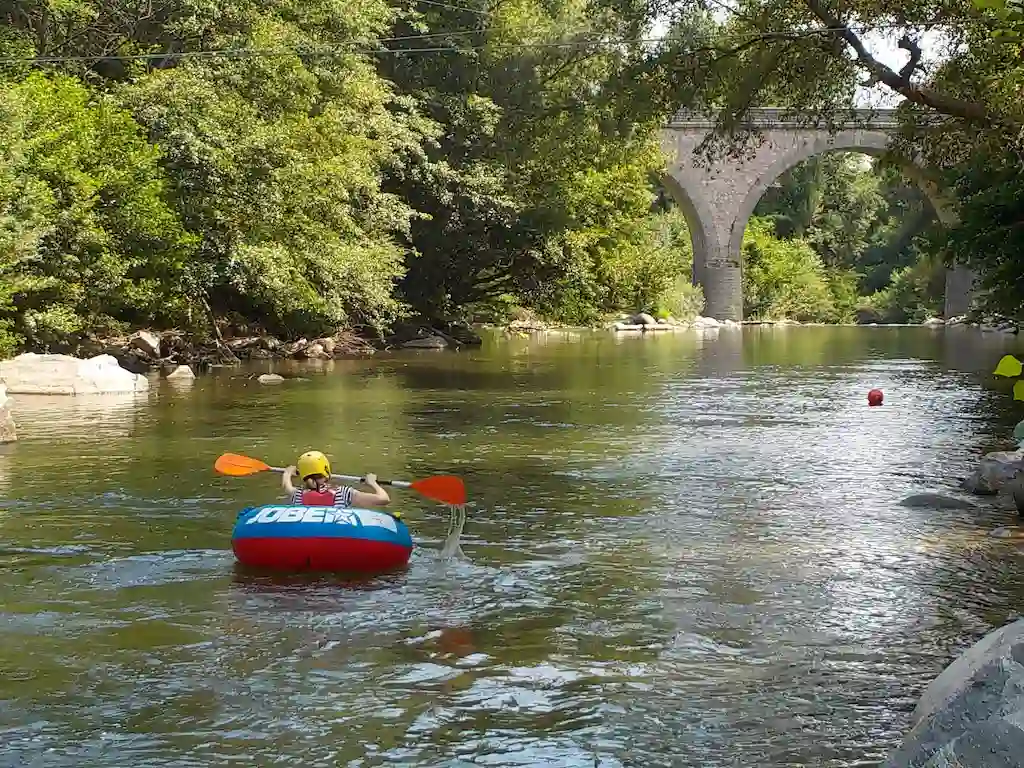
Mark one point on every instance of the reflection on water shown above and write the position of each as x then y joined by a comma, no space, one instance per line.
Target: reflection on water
684,550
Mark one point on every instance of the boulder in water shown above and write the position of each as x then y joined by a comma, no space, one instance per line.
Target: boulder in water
995,471
972,715
32,374
8,432
181,373
146,342
705,322
270,378
430,342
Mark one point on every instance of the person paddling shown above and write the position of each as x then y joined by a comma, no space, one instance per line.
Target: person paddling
314,470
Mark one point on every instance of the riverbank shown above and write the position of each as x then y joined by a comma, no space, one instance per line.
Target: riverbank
146,349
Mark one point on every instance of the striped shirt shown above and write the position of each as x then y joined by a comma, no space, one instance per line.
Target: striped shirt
342,495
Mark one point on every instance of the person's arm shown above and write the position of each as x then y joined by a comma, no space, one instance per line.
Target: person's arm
379,497
286,481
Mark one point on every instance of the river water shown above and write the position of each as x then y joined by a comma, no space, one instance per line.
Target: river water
685,550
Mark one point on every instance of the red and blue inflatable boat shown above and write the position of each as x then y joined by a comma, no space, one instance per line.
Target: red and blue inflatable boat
313,538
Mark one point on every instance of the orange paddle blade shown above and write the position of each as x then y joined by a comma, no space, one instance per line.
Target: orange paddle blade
239,466
444,488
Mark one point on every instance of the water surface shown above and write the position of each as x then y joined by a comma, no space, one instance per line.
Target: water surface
685,550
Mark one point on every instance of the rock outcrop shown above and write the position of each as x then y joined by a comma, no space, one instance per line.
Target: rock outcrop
972,715
32,374
8,432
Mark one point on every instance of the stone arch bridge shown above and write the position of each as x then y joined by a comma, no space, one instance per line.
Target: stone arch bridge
719,200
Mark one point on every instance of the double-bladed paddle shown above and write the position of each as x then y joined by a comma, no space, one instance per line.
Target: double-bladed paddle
447,489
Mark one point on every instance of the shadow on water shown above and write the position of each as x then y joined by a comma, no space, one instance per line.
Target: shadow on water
263,580
685,550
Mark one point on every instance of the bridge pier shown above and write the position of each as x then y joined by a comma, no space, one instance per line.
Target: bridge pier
721,279
718,201
959,291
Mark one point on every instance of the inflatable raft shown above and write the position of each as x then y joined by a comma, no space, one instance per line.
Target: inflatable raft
306,538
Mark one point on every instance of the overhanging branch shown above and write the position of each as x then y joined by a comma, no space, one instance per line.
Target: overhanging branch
900,82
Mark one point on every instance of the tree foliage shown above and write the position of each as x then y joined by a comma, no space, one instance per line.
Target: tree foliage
86,232
330,172
309,165
962,115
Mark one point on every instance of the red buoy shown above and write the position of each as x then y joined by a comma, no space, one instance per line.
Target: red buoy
875,397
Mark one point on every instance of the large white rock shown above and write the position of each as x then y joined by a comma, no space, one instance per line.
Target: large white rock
8,433
32,374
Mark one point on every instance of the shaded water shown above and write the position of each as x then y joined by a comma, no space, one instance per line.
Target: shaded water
685,550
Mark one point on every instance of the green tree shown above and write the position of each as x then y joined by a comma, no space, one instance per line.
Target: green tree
533,190
787,279
87,234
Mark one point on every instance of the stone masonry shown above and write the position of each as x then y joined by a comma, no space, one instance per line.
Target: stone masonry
719,200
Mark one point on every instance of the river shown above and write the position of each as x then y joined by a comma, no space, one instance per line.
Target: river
684,550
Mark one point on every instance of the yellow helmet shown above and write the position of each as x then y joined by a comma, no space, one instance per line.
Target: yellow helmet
313,463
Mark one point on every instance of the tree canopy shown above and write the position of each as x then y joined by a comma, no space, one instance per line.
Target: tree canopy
307,166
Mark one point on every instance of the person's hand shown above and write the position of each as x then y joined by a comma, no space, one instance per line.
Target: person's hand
291,471
370,479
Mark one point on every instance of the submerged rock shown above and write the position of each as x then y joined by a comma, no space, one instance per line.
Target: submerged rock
32,374
1006,532
972,715
935,501
270,378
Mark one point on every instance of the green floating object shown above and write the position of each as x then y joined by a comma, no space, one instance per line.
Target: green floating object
1018,390
1009,366
1018,432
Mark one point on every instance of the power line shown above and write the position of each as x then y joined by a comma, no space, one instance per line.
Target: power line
242,53
453,7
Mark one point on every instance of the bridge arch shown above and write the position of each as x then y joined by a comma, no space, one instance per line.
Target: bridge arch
721,198
873,143
698,219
